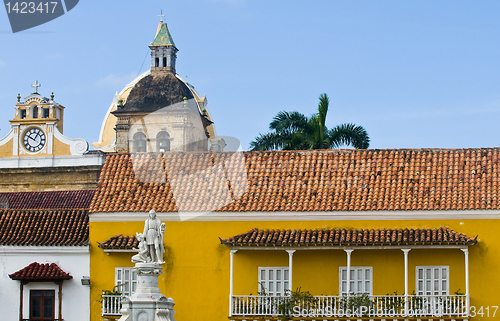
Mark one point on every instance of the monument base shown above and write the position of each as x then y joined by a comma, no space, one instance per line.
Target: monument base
147,303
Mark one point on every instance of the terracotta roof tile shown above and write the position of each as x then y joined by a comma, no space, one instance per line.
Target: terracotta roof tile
47,200
325,180
344,236
120,242
44,227
41,272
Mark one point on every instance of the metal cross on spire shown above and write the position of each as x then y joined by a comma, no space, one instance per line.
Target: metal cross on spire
36,85
161,15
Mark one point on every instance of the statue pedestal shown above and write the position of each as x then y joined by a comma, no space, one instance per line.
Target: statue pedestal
147,303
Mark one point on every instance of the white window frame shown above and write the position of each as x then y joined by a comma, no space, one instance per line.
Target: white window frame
359,279
441,280
274,280
126,276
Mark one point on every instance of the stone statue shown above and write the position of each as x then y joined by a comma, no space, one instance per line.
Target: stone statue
154,231
142,256
148,303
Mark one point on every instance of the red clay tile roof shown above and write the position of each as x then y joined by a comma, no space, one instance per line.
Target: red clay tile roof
44,227
281,237
47,200
120,242
337,180
41,272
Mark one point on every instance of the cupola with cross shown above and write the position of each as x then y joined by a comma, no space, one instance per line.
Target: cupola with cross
35,138
36,109
163,50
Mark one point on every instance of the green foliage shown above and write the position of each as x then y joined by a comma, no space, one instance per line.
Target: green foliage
114,291
396,304
355,301
294,131
295,298
262,291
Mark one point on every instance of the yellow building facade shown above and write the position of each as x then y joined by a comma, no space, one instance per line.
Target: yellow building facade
428,242
303,235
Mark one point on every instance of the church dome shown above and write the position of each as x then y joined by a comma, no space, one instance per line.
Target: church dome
154,92
156,88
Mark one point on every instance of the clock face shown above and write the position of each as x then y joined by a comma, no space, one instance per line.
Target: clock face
34,139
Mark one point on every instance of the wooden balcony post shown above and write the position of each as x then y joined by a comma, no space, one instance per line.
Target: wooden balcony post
406,251
21,301
231,254
60,300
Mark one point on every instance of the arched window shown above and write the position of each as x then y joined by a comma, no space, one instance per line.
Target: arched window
163,142
140,143
34,113
164,61
157,62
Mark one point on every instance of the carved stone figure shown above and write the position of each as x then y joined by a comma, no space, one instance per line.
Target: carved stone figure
142,256
154,231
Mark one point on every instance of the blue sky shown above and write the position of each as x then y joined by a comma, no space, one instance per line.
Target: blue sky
415,74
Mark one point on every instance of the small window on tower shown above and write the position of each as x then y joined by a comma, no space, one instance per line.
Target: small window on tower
163,142
22,114
140,143
58,113
157,62
45,113
34,114
164,61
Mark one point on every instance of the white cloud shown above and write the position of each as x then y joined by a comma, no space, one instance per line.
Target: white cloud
114,80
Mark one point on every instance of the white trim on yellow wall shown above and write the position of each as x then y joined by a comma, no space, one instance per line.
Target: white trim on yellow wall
23,250
300,216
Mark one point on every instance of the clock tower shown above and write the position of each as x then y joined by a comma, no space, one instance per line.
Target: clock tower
36,137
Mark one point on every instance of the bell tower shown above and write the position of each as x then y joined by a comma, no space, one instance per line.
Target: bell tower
36,137
163,50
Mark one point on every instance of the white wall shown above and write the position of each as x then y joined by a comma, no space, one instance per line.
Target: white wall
71,259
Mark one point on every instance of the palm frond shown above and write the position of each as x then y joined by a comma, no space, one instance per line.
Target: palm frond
348,134
294,131
269,141
291,121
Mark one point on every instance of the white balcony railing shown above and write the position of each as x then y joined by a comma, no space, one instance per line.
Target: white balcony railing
353,306
111,304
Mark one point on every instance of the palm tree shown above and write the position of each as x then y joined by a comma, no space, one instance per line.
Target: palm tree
294,131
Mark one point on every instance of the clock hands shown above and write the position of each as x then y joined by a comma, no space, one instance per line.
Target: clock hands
34,140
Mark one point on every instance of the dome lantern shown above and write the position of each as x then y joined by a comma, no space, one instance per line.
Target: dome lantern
163,50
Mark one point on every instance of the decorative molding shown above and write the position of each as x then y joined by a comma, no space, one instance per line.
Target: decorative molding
10,135
35,97
111,146
299,216
23,250
107,251
52,161
77,146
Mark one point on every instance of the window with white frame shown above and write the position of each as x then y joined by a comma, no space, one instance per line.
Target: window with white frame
274,280
125,280
432,280
361,278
